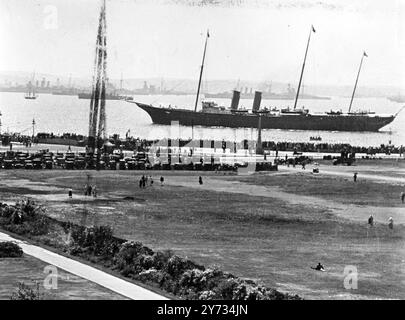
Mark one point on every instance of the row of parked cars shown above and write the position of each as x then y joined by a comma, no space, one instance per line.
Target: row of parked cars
82,160
115,161
69,160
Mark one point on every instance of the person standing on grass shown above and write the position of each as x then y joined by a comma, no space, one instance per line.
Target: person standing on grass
355,177
162,180
371,220
200,180
70,193
402,196
143,182
94,192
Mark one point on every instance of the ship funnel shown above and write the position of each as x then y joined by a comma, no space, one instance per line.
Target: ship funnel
257,100
235,100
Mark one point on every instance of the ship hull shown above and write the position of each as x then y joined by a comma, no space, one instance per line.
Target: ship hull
325,122
107,97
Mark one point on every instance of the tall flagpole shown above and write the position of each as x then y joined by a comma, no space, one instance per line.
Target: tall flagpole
199,84
357,79
303,66
201,71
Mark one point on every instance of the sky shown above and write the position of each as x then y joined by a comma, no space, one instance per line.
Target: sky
249,39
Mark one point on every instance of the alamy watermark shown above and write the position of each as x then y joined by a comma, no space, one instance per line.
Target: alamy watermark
51,279
350,281
51,17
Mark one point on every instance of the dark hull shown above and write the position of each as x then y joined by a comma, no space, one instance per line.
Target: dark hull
287,122
107,97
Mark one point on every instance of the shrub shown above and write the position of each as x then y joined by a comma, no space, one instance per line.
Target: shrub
97,240
25,292
176,266
10,249
39,226
226,288
133,257
160,259
24,218
207,295
151,276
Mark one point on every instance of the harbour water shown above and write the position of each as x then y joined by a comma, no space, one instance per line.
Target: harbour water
60,114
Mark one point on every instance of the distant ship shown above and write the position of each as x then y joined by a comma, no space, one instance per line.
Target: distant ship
294,118
31,89
399,98
298,119
31,94
153,90
66,92
288,95
108,96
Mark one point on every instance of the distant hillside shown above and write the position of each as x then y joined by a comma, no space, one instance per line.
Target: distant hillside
12,78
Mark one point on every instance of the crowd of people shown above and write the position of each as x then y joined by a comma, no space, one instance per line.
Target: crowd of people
138,144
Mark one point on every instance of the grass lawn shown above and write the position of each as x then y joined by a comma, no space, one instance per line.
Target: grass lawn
29,270
339,189
259,237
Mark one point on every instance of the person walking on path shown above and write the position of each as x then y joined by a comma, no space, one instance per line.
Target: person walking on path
402,197
70,193
355,177
162,180
200,180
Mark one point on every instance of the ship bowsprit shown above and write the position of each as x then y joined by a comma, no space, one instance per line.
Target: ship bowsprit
338,122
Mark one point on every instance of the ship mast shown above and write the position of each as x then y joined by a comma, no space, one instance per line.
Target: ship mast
303,66
357,79
201,71
97,117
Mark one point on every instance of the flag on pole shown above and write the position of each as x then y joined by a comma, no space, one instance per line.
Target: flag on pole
313,29
365,54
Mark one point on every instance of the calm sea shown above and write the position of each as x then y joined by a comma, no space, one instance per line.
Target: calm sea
59,114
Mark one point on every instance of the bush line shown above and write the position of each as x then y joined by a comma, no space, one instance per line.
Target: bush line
165,270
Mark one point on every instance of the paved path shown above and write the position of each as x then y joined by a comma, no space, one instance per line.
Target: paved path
104,279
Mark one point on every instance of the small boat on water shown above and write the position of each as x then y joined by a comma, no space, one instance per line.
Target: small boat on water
31,89
31,95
